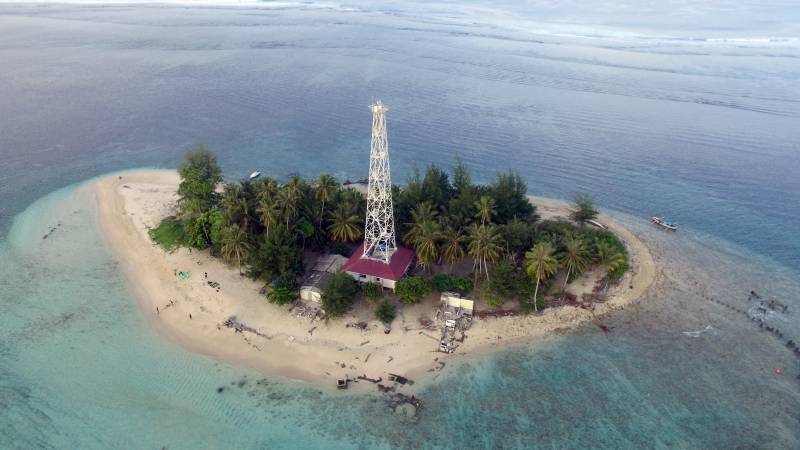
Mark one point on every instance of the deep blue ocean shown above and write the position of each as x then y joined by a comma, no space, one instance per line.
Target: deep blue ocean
689,109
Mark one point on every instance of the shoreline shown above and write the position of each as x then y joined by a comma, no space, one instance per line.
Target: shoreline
292,347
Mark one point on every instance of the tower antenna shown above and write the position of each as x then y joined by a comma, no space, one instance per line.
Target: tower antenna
379,239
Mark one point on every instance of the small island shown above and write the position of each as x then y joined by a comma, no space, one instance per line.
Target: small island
217,267
363,282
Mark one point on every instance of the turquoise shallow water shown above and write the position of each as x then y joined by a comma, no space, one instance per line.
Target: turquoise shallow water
653,115
81,368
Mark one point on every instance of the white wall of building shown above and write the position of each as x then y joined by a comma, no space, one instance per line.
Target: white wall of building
361,278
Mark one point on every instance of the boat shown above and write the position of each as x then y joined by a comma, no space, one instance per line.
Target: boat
664,223
363,181
255,175
596,224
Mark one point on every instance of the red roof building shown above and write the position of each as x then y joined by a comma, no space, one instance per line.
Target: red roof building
377,271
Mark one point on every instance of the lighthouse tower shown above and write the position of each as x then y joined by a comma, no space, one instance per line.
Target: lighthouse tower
379,260
379,240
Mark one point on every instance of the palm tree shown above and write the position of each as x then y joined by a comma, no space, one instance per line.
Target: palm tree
540,264
486,209
265,188
573,258
235,205
484,246
230,201
426,243
608,256
583,208
287,204
344,225
424,212
268,211
453,246
296,186
326,186
235,245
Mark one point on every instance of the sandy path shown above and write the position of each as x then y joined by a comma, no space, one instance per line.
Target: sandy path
294,347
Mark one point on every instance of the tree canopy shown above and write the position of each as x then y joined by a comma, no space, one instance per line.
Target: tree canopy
266,225
412,289
200,175
385,312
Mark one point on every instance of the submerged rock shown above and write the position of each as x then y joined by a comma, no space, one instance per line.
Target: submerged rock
406,409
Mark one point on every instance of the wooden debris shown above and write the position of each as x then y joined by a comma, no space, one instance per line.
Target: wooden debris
239,327
371,380
497,313
400,379
359,325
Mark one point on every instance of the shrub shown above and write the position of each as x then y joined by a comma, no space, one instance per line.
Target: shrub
503,278
494,301
283,290
339,295
287,280
372,291
490,298
168,234
443,282
527,289
412,289
526,305
386,312
280,295
194,233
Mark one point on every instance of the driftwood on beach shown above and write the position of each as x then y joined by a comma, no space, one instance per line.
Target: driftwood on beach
498,313
240,327
371,380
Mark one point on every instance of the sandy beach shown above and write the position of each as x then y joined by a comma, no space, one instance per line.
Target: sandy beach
191,313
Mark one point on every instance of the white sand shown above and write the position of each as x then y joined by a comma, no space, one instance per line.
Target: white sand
128,205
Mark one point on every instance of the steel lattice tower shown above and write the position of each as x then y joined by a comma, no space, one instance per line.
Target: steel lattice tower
379,241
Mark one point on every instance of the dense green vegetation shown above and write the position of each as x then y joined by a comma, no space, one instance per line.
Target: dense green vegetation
283,290
339,295
168,234
443,282
412,289
263,227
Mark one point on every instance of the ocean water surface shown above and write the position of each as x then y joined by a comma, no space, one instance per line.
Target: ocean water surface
652,108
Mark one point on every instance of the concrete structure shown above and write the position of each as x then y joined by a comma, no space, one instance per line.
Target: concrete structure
329,263
325,266
312,288
455,308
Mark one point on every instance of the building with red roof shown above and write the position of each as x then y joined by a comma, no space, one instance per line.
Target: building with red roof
365,269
